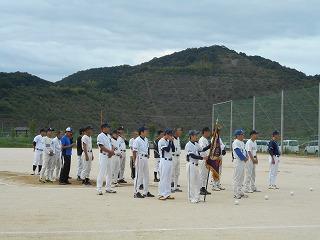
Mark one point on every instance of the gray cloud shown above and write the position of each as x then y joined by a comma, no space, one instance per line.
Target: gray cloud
55,38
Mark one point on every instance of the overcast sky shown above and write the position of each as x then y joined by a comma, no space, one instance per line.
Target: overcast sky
53,39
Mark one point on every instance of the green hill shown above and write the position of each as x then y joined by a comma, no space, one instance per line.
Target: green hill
174,90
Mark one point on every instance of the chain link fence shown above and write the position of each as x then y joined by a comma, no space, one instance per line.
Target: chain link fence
295,113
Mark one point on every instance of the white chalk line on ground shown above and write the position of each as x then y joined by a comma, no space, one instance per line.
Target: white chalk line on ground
161,230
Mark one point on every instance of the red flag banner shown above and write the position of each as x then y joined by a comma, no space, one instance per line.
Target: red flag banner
215,160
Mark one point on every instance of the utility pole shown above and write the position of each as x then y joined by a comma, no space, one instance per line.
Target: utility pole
282,101
254,113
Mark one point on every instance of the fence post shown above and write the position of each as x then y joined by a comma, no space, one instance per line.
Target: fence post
254,113
212,120
319,123
282,100
231,103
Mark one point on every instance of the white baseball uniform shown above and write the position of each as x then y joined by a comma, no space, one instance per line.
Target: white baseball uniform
192,150
57,163
48,159
38,153
250,167
141,147
122,148
203,142
105,164
86,140
165,150
115,160
239,154
176,163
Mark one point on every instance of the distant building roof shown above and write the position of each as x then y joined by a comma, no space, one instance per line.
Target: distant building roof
21,129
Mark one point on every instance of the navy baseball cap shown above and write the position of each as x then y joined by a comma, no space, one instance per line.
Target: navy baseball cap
193,132
253,132
275,132
105,125
142,129
50,130
168,131
238,132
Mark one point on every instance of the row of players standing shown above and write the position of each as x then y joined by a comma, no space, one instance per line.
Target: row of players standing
167,156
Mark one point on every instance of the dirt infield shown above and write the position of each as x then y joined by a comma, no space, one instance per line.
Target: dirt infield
31,210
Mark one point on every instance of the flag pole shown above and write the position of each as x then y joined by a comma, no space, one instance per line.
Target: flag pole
215,127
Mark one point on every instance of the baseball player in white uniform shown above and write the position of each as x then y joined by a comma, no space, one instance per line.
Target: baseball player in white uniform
57,163
87,155
141,155
193,150
135,134
204,142
38,147
156,172
274,159
250,172
176,161
105,164
116,157
240,158
166,148
123,148
48,157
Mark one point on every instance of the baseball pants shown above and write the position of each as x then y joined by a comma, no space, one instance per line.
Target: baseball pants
203,172
46,167
80,165
165,177
250,175
193,179
65,170
38,158
273,171
86,166
105,170
175,171
56,166
238,176
122,165
142,174
115,168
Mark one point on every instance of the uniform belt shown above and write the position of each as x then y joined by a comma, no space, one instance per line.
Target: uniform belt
39,149
168,159
176,155
143,155
123,150
89,150
196,164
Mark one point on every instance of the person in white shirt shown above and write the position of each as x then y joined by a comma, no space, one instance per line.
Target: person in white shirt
140,155
203,170
38,147
105,164
166,148
135,134
176,161
87,155
240,158
116,157
57,163
250,177
193,150
48,158
156,172
123,149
